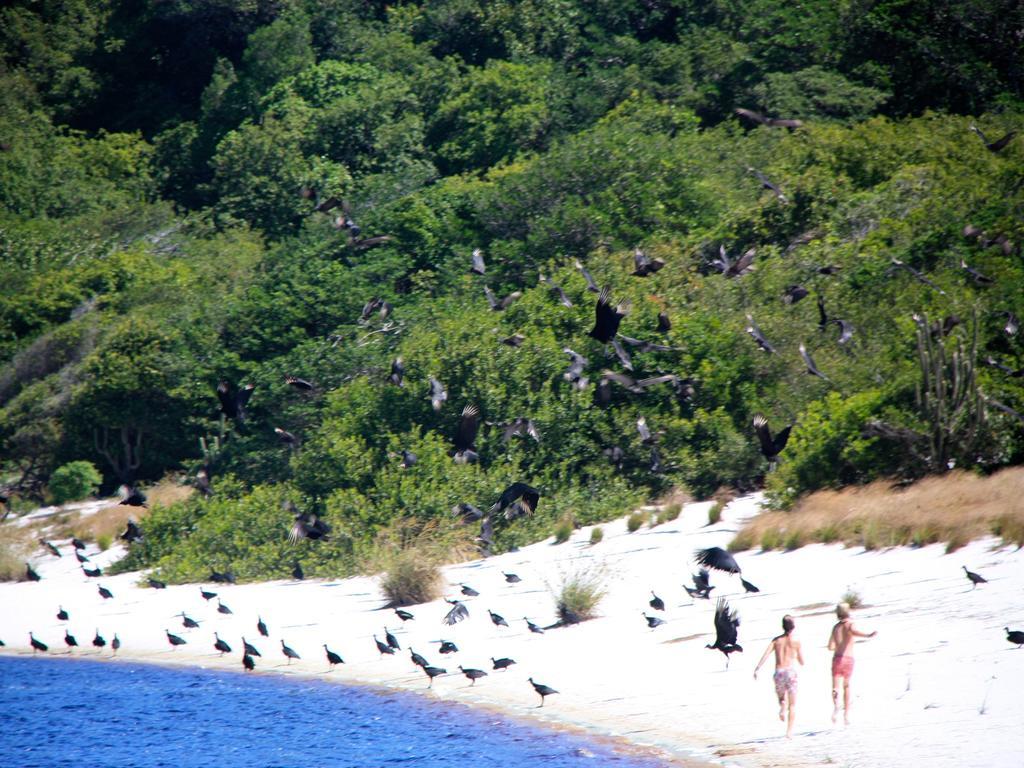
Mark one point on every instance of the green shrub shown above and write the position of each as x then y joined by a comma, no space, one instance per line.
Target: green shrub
671,512
635,521
74,481
564,528
579,595
715,513
596,535
103,541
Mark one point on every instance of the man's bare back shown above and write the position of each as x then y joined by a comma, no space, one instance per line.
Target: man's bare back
842,640
786,650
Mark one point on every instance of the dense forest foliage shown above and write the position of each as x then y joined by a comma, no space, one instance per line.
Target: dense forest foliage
241,191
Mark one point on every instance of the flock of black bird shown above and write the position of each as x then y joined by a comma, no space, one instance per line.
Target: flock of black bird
519,498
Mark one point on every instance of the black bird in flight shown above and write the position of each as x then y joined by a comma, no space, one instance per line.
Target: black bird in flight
515,340
653,621
771,122
497,305
478,267
457,613
307,525
701,585
727,623
438,394
644,265
767,183
299,384
542,690
591,284
725,265
232,403
607,318
917,274
575,372
794,293
998,144
812,369
465,434
759,337
771,446
516,500
564,300
717,558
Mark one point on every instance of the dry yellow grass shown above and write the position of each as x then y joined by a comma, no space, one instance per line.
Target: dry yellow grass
954,508
16,545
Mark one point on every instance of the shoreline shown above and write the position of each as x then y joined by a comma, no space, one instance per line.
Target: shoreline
916,697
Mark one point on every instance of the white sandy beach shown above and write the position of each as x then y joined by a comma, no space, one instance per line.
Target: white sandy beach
939,686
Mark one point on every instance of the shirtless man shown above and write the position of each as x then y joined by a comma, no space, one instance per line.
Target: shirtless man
841,644
786,650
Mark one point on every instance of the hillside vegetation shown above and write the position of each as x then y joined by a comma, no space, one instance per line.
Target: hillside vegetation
204,192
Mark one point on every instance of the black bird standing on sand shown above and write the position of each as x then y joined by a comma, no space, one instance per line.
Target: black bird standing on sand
261,627
70,640
37,645
50,546
433,672
156,583
188,623
207,595
93,573
468,591
77,543
289,652
542,690
747,586
533,627
498,620
62,614
115,644
174,640
248,663
418,660
80,557
447,646
656,602
105,593
391,640
976,578
511,578
403,615
383,647
249,648
220,645
332,657
501,663
473,674
98,640
30,574
726,625
221,608
1015,636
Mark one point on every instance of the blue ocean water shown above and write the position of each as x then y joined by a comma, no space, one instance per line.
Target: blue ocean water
75,712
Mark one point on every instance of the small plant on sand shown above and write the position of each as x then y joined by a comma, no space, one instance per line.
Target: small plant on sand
715,513
103,541
852,598
596,535
13,551
564,528
671,512
579,594
635,521
410,554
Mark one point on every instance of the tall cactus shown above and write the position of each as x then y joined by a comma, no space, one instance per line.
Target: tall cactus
948,397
